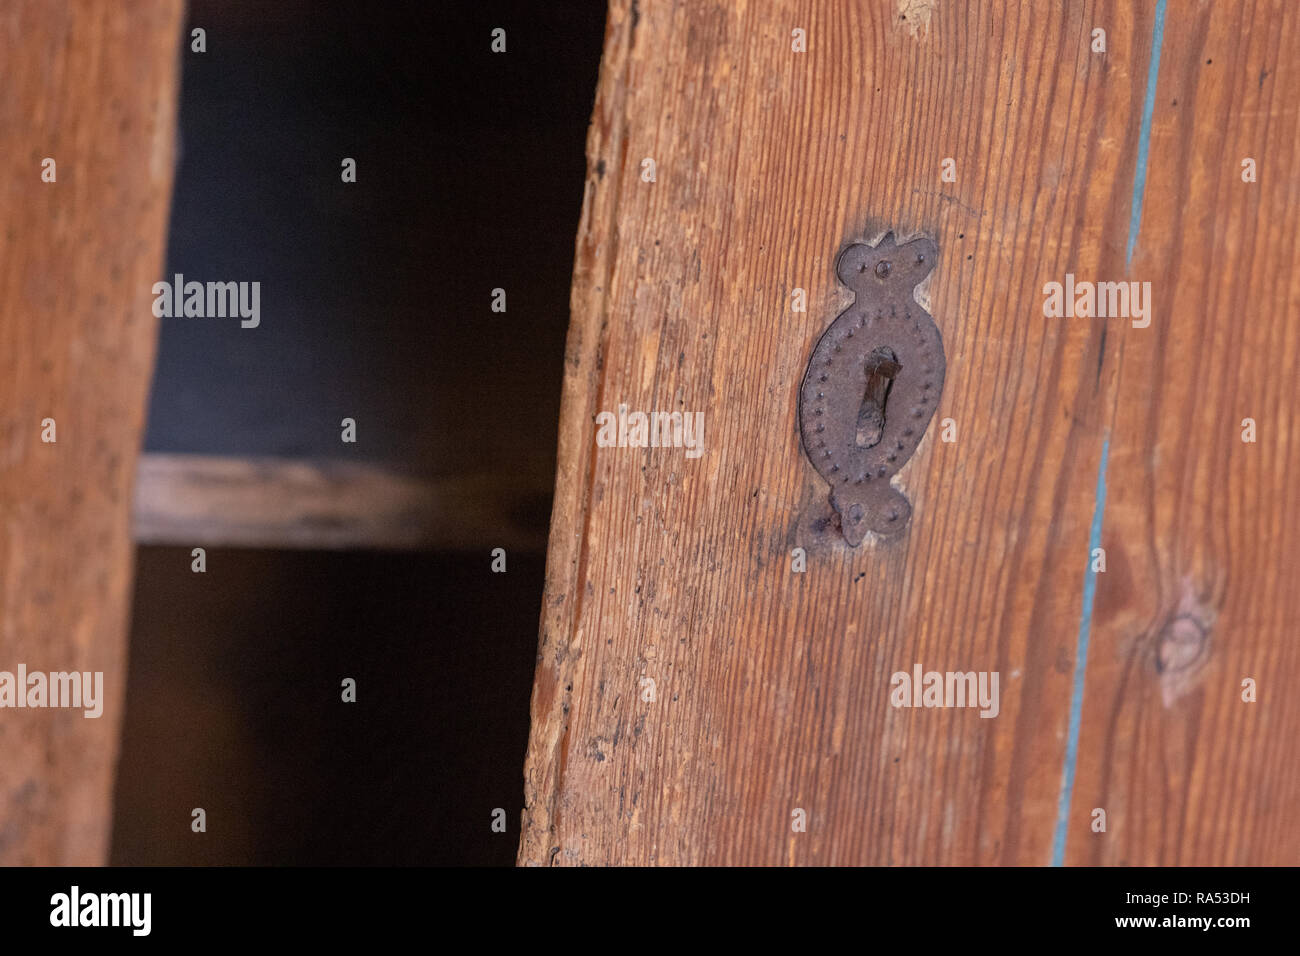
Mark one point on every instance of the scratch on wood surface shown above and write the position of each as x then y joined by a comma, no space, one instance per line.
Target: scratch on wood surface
948,198
914,15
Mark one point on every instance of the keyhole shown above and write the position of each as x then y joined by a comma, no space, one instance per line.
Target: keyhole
882,367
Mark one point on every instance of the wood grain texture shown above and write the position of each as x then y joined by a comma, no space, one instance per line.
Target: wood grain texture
216,501
772,687
1201,526
93,86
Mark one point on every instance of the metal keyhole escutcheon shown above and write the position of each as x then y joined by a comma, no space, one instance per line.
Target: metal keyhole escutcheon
872,385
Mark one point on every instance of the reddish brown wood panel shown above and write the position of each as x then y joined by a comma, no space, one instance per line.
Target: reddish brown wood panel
1202,529
772,687
92,86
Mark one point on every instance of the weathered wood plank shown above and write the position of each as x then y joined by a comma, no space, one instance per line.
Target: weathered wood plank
215,501
92,86
1202,530
772,687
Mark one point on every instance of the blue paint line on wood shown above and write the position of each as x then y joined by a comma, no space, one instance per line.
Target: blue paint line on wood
1144,137
1080,665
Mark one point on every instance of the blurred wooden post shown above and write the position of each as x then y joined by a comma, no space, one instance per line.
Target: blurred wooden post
697,698
93,87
